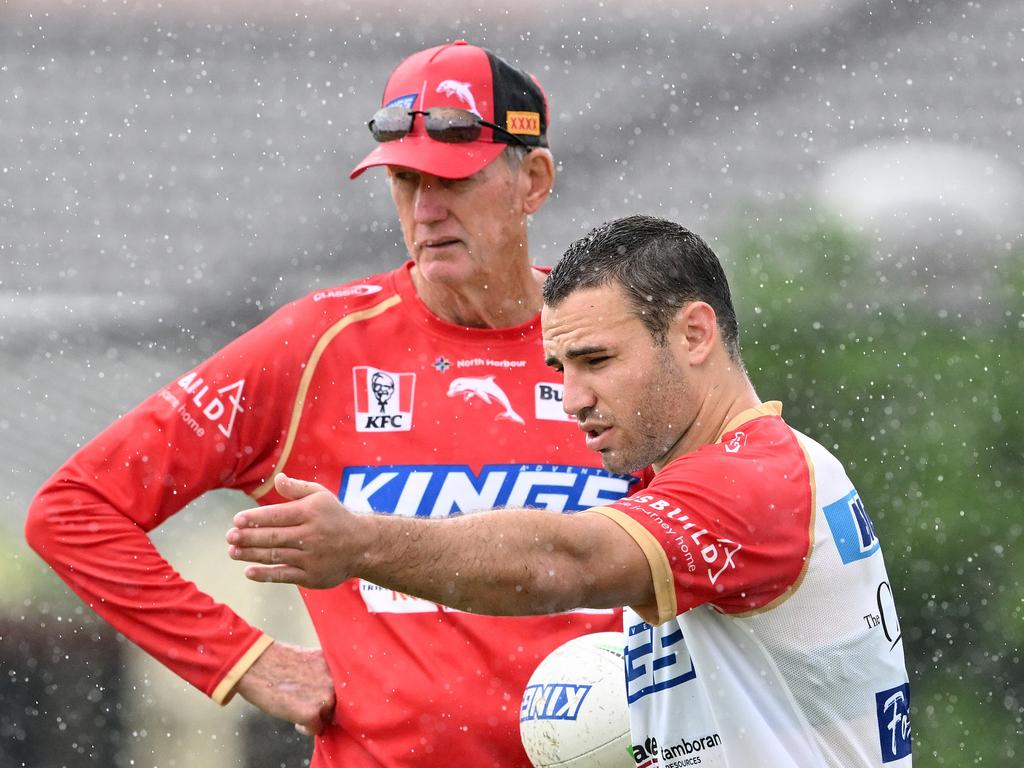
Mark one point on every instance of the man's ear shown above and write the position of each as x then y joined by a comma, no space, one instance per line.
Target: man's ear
698,330
538,177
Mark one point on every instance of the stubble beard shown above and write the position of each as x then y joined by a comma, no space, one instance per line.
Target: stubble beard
663,396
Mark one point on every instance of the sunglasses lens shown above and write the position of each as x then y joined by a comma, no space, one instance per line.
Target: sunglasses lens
391,124
452,126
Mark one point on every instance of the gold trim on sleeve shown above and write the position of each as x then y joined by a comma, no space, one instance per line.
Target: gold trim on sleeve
307,377
225,689
664,607
792,588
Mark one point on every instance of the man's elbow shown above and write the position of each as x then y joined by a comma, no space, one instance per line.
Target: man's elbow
50,524
41,525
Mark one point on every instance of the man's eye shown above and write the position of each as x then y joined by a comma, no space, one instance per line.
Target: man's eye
456,183
594,361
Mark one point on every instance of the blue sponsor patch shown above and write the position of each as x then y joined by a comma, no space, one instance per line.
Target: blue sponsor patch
552,701
440,490
402,101
852,529
894,734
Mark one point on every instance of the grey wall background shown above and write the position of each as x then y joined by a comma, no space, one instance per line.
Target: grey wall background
170,173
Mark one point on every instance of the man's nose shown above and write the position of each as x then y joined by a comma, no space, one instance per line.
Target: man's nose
430,204
577,396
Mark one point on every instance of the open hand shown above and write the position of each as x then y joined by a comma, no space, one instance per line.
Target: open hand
306,540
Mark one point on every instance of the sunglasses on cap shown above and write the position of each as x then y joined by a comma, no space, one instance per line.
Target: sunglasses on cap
445,124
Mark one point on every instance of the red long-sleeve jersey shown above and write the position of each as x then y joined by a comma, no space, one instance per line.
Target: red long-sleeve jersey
364,390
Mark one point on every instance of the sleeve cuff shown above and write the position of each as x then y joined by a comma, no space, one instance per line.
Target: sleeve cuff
225,690
664,607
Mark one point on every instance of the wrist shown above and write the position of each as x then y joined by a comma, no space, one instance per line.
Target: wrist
246,671
364,538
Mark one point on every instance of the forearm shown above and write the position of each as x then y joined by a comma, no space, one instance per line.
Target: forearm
111,564
503,562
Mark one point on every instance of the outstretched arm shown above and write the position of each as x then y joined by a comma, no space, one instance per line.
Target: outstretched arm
503,562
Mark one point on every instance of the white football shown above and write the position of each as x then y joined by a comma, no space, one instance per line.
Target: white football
574,711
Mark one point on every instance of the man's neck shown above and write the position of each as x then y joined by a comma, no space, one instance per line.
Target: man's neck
502,300
721,405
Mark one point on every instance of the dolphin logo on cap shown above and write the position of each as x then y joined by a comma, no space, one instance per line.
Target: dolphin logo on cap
462,90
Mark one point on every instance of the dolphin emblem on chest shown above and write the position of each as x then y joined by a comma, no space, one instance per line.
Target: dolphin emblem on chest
484,388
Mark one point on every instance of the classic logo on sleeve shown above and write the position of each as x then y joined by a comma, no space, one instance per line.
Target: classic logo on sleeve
383,399
736,442
363,289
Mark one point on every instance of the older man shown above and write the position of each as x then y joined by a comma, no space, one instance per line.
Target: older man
419,392
762,629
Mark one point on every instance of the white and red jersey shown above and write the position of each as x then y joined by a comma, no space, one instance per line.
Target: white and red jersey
365,391
774,639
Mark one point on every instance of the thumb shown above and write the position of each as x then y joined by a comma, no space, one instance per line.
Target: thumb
293,489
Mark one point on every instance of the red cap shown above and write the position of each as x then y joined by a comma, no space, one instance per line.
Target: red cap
466,77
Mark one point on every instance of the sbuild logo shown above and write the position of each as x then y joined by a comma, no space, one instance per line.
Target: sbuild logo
219,406
383,399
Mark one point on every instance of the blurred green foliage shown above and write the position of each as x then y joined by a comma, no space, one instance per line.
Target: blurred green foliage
921,399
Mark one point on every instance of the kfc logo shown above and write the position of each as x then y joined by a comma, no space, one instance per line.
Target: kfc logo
383,400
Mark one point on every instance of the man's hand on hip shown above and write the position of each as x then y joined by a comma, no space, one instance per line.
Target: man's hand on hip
291,683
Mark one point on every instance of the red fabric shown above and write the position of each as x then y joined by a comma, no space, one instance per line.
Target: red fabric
734,517
433,687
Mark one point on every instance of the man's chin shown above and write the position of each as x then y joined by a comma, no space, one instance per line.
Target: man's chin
618,464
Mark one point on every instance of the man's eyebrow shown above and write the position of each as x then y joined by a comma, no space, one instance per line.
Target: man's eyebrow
592,349
573,353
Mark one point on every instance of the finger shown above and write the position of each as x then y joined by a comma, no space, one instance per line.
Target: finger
270,516
327,712
266,555
275,574
265,537
324,719
294,489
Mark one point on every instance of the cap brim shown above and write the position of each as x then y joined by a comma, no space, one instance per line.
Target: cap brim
421,153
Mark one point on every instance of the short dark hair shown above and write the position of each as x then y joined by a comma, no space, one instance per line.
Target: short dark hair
660,265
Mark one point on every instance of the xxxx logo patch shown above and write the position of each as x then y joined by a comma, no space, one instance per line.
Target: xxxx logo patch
525,123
